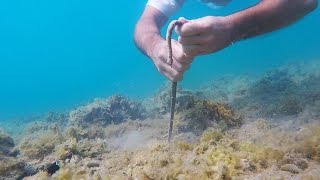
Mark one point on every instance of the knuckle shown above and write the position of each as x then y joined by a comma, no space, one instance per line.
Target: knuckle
176,75
180,57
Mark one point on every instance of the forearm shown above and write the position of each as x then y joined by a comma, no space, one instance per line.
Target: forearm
147,31
268,16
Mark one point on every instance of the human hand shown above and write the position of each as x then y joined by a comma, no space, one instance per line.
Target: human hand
181,62
204,35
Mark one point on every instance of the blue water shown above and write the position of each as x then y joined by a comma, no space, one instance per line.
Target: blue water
58,54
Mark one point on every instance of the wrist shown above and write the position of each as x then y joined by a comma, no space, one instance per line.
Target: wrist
155,47
232,28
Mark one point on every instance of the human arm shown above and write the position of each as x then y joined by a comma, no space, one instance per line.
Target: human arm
149,41
210,34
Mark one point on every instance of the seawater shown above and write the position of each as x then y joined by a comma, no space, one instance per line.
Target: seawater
58,54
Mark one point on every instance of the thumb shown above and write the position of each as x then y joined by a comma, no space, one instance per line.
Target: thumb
190,28
182,20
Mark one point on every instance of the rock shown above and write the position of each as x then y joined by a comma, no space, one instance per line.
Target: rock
93,164
201,114
291,168
246,165
11,168
6,144
115,109
75,159
301,163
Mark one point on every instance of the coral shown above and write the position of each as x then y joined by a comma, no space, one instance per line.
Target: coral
115,109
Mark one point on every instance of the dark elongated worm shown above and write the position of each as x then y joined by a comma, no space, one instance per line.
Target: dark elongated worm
174,84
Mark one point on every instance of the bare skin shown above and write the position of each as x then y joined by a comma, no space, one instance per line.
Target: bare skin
211,33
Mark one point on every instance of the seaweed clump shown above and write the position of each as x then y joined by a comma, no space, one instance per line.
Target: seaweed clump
201,114
6,144
41,142
10,167
308,144
102,112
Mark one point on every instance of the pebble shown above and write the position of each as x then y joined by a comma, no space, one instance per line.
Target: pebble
93,164
290,168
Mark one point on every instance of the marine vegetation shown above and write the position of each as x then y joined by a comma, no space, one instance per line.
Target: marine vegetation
201,114
284,91
232,137
10,166
115,109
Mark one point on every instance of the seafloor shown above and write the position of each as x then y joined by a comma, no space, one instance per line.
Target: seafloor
235,127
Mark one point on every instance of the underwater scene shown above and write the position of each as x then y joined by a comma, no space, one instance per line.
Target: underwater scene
78,100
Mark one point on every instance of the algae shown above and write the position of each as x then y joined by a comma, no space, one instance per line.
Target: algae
118,138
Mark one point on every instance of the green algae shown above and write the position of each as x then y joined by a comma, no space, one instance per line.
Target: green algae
261,154
211,136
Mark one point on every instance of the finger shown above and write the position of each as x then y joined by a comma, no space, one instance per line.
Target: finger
178,53
194,40
180,67
168,71
182,20
193,50
190,28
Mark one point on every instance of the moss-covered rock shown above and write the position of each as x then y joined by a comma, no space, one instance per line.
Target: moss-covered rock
115,109
6,144
11,168
201,114
40,143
